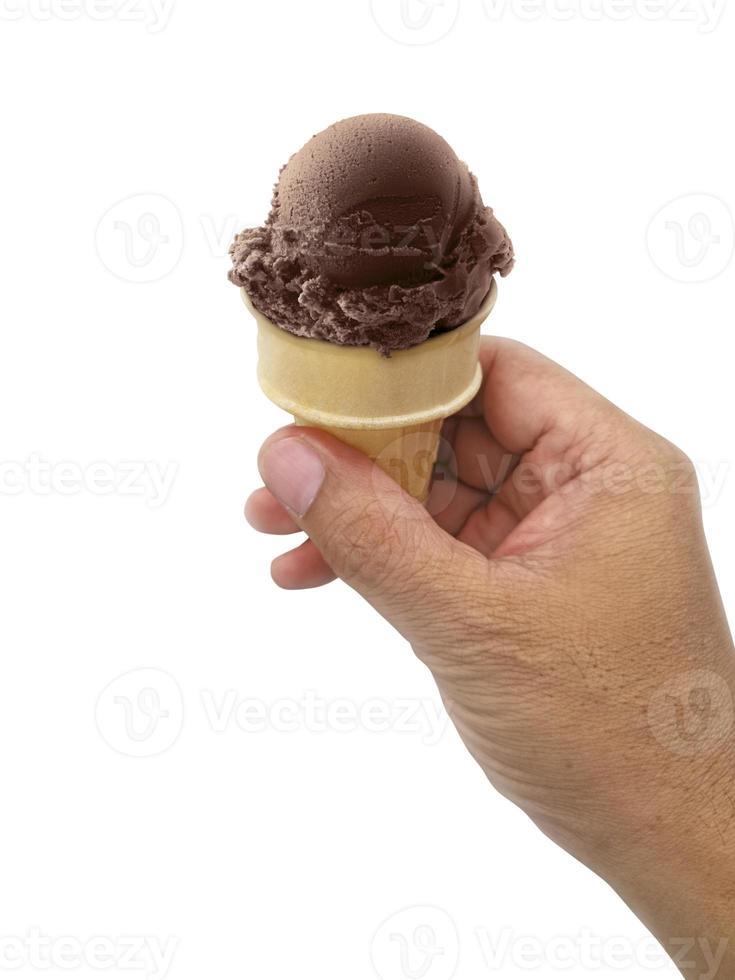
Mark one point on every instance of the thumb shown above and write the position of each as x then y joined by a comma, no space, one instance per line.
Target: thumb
374,536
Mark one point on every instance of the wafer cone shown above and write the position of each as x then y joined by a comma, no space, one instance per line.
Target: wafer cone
390,408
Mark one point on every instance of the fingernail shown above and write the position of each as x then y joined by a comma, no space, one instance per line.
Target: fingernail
294,473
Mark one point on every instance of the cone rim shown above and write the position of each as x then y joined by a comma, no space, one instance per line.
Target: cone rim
353,361
481,315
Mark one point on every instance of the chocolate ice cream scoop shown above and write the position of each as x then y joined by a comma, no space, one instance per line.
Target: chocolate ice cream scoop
377,235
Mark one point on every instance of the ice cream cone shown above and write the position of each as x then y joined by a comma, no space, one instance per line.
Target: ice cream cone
390,408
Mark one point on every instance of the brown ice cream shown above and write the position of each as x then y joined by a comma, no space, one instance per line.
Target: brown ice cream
377,236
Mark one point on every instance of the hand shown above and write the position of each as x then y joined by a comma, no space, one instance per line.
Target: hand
558,585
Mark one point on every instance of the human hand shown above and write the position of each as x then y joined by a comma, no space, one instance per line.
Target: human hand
559,587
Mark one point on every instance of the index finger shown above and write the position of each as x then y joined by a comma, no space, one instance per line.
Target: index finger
527,398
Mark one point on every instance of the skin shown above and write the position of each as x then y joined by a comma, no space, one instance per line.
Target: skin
559,587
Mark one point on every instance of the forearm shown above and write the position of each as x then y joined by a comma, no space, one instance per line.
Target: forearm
680,879
694,920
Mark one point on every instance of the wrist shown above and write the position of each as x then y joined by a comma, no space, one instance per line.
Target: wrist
678,877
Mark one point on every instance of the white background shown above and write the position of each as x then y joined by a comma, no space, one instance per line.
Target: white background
281,852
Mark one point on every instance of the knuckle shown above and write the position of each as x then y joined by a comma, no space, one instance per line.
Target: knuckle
682,464
682,481
648,474
362,542
487,619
